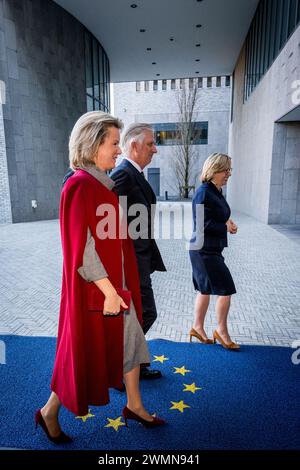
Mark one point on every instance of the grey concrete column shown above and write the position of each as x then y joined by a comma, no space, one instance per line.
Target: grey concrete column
5,205
284,207
42,65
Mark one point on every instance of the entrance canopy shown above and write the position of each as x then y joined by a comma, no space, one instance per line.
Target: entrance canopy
291,116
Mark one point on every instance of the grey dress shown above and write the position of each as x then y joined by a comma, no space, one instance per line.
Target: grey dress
135,346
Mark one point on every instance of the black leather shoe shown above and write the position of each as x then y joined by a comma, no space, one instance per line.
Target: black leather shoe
148,374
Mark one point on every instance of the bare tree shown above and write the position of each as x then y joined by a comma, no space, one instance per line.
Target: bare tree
184,163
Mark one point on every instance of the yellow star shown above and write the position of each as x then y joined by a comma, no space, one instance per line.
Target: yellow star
84,418
160,359
114,423
181,370
191,388
180,405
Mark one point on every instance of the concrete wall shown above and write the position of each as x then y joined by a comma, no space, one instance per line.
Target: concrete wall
161,107
252,143
285,175
42,65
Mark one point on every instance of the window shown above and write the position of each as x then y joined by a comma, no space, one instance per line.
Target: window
173,84
264,34
138,86
96,81
209,82
164,85
146,85
168,133
181,83
292,16
218,82
269,5
232,98
227,80
191,83
101,75
88,66
89,103
272,25
284,23
259,32
279,8
105,84
155,85
200,82
251,61
97,76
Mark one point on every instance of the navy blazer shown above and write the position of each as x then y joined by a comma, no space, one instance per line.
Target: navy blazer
216,214
131,183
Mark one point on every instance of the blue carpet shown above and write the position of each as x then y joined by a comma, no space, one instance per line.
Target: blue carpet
245,400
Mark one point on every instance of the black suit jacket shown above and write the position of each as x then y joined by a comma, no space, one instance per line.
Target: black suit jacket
216,214
129,182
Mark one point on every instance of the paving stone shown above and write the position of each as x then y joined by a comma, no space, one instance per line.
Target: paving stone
264,262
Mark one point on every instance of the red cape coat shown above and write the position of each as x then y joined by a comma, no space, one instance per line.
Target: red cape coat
89,353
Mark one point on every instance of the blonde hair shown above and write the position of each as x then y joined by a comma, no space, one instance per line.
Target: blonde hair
134,132
88,133
215,163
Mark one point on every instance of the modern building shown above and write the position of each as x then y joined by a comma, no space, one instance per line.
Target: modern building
52,70
58,57
156,102
265,127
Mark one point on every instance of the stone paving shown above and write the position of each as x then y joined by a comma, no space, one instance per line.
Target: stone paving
265,264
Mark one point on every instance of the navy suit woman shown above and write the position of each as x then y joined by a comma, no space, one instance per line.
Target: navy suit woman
211,276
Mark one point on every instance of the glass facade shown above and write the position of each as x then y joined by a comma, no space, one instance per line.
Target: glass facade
272,25
96,75
168,133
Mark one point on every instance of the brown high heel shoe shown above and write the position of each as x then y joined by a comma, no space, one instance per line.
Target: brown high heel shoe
128,414
62,438
232,346
198,336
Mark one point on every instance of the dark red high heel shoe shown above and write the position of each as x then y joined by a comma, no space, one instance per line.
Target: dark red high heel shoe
128,414
62,438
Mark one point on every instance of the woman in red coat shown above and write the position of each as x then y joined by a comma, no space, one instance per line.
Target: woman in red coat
100,340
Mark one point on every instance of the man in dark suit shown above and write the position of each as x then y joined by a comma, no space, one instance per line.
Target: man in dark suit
139,148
